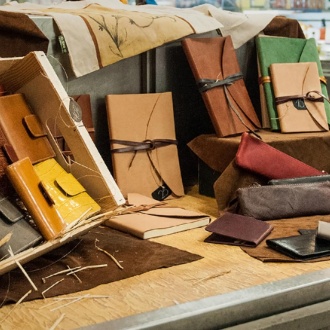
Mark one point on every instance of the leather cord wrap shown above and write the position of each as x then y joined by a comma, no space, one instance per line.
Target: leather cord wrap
206,84
148,145
308,96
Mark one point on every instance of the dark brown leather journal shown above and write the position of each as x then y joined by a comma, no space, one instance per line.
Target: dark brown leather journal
215,67
235,229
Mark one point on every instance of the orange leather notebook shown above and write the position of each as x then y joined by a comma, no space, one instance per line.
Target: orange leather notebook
215,67
298,97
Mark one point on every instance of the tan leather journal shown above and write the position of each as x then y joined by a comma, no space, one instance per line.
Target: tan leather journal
35,198
23,131
298,97
143,144
216,69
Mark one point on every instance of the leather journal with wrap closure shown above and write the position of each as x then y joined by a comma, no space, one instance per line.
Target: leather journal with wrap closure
284,50
23,131
35,198
215,67
256,156
143,144
298,97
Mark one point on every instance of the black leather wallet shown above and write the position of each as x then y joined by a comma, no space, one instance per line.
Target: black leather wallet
236,229
20,233
305,246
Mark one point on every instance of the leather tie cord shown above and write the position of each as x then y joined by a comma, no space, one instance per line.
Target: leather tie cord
309,97
147,145
206,84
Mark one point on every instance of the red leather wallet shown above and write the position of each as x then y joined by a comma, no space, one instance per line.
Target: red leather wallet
259,157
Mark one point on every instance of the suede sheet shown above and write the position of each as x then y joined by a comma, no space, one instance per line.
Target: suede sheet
19,35
136,256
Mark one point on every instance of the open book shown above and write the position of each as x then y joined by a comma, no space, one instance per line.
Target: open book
156,219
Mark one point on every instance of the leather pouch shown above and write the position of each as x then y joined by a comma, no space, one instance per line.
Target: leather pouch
236,229
298,97
143,144
259,157
303,179
21,234
23,131
306,246
35,198
215,67
284,201
70,197
285,50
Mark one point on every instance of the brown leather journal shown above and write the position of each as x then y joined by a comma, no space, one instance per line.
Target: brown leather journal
143,144
215,67
236,229
298,97
23,131
35,198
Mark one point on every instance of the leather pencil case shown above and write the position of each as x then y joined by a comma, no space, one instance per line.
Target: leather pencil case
17,233
70,197
23,131
236,229
35,198
284,201
261,158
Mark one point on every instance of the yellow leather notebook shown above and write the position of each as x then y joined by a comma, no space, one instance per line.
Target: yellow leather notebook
298,97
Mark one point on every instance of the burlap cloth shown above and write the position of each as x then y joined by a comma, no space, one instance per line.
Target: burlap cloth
136,256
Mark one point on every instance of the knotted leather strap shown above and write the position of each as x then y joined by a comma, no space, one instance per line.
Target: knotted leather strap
206,84
144,145
309,96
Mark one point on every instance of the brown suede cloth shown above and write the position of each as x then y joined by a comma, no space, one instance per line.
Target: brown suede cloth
19,35
285,228
282,26
136,256
219,154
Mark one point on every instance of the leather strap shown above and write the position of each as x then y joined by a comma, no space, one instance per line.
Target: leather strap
309,96
206,84
144,145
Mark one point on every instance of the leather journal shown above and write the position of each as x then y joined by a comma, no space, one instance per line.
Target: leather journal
236,229
256,156
298,97
215,67
23,131
143,144
70,197
15,230
285,50
35,198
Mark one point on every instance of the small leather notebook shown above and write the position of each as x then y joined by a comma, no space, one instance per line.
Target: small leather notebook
35,198
216,70
23,131
298,97
236,229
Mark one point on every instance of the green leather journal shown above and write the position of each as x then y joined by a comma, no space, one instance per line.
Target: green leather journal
285,50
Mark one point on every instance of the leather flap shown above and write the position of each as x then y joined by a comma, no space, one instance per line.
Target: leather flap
68,183
33,125
10,152
9,211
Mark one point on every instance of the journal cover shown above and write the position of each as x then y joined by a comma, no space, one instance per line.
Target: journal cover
298,97
215,67
36,200
23,131
235,229
285,50
143,144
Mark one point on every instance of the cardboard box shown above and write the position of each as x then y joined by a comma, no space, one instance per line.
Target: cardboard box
34,76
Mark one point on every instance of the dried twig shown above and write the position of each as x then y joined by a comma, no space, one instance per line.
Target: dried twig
51,287
212,276
110,255
75,275
86,267
22,269
58,273
57,322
